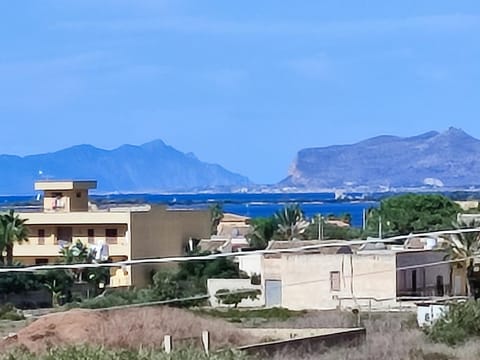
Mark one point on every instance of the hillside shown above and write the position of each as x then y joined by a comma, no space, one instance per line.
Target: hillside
450,158
152,167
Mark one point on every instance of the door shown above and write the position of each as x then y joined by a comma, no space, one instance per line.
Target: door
273,293
64,233
440,288
414,282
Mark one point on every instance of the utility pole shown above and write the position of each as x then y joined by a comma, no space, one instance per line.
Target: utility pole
379,227
320,227
364,219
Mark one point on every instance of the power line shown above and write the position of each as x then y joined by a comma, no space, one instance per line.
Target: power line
179,259
299,283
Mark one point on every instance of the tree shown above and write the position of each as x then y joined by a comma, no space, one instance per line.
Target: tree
291,222
59,282
216,215
404,214
463,247
264,230
235,297
12,230
79,253
331,231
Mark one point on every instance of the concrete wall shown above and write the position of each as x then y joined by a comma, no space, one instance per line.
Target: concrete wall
271,267
162,233
306,280
213,285
251,264
305,345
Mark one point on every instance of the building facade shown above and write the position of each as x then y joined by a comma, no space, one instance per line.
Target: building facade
134,232
363,279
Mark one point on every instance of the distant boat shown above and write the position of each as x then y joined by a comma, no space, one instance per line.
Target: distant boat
339,195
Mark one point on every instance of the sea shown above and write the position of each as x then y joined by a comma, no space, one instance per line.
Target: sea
247,204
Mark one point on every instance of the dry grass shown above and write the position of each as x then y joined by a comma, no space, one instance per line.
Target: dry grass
316,319
391,336
127,329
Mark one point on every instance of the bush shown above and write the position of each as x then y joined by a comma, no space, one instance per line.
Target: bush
462,321
235,297
99,353
8,312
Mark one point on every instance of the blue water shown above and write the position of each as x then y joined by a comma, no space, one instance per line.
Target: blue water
252,205
257,205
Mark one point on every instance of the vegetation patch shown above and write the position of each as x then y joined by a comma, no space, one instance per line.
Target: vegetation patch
101,353
9,312
460,323
239,315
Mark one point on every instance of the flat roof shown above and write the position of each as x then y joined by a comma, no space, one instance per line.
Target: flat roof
53,185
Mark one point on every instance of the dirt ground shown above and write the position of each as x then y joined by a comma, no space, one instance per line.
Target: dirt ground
126,328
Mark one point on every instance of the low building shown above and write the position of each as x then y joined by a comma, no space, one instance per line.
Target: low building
132,232
231,235
234,226
344,277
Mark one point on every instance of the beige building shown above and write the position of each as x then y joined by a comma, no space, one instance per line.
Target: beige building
134,232
234,226
334,277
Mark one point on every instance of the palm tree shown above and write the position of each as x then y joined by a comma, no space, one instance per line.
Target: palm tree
463,247
291,222
12,230
77,253
216,215
264,230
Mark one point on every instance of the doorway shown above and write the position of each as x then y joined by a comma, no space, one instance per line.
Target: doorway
64,233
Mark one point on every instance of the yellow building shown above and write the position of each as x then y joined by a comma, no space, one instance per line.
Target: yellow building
134,232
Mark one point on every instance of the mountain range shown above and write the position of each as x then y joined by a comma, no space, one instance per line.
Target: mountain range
150,168
434,159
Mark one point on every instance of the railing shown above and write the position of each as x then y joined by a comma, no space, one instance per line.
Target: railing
399,302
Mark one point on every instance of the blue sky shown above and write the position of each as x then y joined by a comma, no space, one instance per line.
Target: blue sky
245,84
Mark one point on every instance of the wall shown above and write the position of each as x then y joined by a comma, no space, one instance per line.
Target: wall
426,276
251,264
163,233
306,280
271,267
50,247
214,285
306,346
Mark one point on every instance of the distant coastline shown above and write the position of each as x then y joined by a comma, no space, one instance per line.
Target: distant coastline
247,204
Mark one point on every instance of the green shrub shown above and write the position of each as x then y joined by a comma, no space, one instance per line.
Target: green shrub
233,315
8,312
460,322
98,353
235,297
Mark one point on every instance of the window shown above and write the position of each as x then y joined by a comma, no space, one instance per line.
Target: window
111,236
91,236
41,261
334,280
41,236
